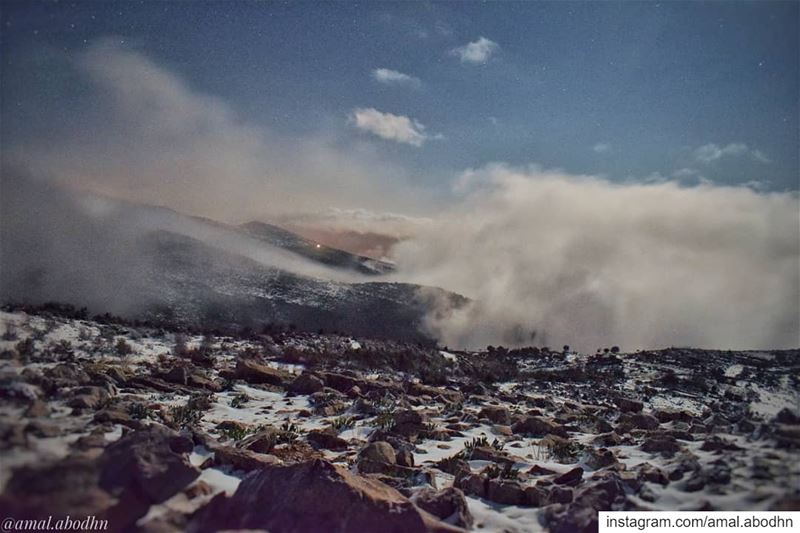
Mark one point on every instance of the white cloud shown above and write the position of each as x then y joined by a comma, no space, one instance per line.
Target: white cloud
712,152
397,128
393,77
601,148
476,52
587,262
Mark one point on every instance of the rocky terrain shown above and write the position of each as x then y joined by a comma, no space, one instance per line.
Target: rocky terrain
161,430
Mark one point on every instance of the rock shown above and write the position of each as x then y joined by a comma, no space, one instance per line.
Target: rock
306,383
486,453
663,444
42,429
665,415
451,396
786,416
314,496
502,430
66,375
537,470
571,477
69,486
376,457
115,416
535,496
408,423
536,426
505,491
19,390
37,409
253,372
405,458
599,458
471,483
496,414
715,444
628,421
787,436
559,494
652,474
177,375
263,441
326,440
447,504
629,406
150,462
232,425
607,439
88,398
245,460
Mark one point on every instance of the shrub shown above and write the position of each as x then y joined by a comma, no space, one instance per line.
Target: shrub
183,416
506,471
239,400
122,347
342,423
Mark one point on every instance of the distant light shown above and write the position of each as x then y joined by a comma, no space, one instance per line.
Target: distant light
319,246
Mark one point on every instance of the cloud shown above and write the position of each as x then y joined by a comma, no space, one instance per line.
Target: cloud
712,152
552,258
391,127
601,148
148,136
477,52
393,77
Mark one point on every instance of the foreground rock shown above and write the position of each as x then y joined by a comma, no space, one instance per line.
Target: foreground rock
314,496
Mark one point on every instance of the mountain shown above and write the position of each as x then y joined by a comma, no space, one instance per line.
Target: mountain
316,251
140,261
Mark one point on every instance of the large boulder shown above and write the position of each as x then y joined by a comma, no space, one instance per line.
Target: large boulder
314,496
253,372
145,467
69,486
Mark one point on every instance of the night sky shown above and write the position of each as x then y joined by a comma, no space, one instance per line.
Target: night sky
697,92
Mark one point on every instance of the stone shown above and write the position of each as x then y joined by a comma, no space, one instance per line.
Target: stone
306,383
663,444
150,462
326,440
88,398
571,477
447,504
536,426
314,496
245,460
628,421
505,491
253,372
496,414
628,405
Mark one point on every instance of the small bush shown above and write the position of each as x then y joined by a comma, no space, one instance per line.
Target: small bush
342,423
184,416
122,348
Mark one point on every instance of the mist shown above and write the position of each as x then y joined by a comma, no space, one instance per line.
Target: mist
143,134
547,258
550,258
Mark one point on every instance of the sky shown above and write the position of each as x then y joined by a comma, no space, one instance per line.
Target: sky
694,92
586,173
